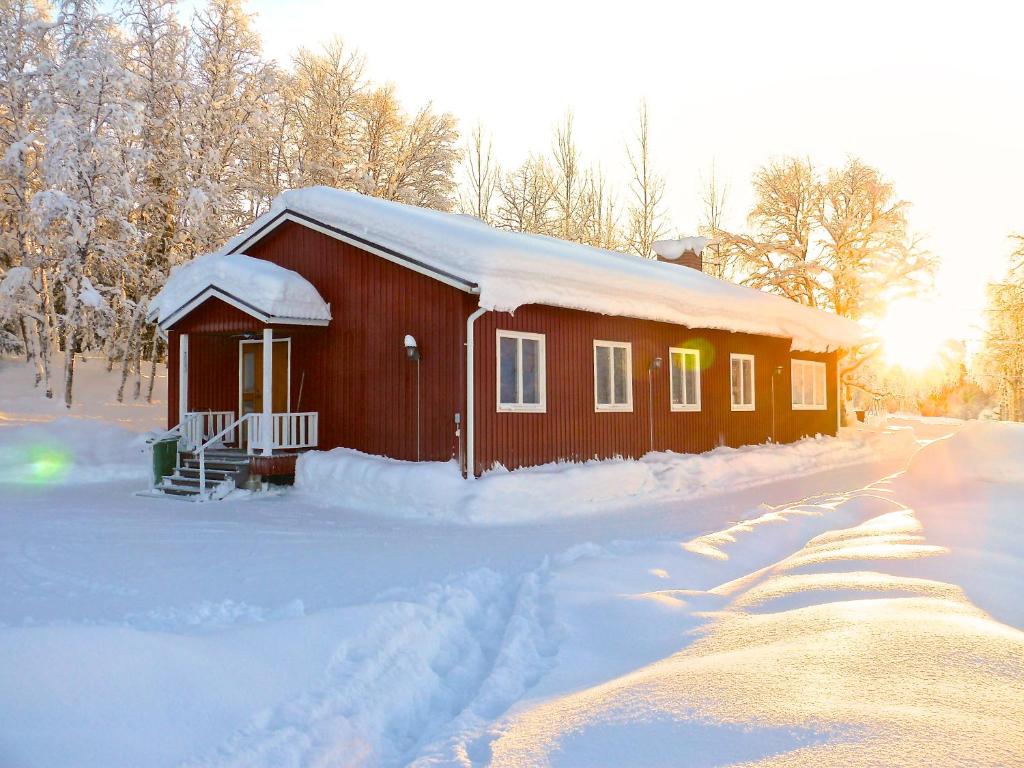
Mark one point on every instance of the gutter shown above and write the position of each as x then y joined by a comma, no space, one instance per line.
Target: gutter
470,388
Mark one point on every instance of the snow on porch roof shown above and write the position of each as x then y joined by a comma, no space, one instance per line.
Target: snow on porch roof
260,288
510,269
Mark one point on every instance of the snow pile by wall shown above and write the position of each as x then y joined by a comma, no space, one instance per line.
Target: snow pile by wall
378,485
72,451
985,451
513,269
270,288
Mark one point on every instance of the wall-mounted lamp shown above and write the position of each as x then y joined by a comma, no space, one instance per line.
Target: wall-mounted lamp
412,352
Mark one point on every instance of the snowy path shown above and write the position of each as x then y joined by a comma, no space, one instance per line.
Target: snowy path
275,633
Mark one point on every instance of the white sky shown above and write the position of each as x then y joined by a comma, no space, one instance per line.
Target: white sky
931,96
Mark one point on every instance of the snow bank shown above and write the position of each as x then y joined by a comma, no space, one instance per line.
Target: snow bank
435,490
985,451
272,289
71,451
514,269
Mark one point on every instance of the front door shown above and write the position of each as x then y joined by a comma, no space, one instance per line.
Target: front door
251,379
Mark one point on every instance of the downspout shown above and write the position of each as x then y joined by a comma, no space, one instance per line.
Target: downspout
470,388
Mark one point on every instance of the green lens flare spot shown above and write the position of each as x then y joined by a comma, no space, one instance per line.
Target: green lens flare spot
47,464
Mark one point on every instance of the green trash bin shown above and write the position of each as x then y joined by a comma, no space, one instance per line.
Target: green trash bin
165,457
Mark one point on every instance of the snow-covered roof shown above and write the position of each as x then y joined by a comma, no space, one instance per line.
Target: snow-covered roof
261,288
510,269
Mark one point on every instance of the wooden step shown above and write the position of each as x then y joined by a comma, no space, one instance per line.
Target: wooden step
179,481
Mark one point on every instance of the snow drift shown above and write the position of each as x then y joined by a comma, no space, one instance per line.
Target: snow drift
436,490
982,451
513,269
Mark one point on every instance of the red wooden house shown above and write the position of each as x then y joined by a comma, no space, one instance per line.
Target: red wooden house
343,320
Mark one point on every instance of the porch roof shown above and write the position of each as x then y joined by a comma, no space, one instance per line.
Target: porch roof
262,289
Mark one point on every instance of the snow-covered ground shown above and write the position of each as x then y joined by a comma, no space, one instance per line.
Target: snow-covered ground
855,615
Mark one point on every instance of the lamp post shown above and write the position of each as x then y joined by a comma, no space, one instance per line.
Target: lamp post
412,351
654,366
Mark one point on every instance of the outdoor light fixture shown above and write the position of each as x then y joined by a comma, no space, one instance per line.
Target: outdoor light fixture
412,351
654,366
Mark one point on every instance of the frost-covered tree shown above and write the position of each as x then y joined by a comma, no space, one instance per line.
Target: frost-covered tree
82,213
838,242
156,51
229,90
325,99
645,214
25,314
411,160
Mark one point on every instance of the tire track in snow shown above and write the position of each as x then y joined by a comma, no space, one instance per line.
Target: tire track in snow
431,670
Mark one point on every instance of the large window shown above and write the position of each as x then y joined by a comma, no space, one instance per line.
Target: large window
521,374
808,385
613,376
742,380
684,372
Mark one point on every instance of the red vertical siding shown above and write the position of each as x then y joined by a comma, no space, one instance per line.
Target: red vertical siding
570,429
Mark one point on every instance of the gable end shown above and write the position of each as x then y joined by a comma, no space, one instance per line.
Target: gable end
359,242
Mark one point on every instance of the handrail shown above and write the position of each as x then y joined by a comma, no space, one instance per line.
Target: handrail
201,452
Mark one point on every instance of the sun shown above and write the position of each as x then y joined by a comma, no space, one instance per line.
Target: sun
914,333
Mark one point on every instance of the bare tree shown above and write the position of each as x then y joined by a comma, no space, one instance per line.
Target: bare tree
481,176
526,198
569,182
718,260
645,216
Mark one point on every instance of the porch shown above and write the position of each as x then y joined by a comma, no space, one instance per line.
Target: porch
235,399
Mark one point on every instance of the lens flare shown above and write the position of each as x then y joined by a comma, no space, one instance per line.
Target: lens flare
47,464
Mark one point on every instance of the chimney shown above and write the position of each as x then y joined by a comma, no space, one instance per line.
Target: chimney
686,251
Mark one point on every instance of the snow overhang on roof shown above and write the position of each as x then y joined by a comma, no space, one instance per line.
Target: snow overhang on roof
260,288
511,269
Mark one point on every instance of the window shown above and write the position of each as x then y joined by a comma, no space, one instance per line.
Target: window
684,373
742,377
521,372
808,385
613,376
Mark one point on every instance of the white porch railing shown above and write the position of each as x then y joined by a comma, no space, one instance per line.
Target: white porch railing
287,430
199,426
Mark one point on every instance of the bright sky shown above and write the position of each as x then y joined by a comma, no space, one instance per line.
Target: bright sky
930,95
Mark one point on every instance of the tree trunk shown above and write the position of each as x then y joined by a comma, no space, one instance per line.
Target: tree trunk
153,354
128,353
43,330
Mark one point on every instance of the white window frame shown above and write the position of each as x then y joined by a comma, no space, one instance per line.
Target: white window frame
685,352
816,366
626,407
752,405
542,372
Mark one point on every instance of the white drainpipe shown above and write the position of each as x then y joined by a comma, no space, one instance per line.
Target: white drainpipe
470,387
182,377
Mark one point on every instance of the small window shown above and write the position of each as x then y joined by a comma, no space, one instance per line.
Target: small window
684,372
521,372
808,385
613,376
742,378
